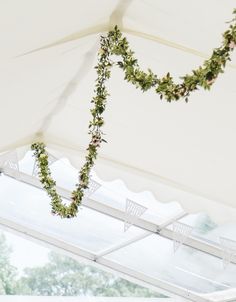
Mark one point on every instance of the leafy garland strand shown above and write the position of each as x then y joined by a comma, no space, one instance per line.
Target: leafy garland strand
115,44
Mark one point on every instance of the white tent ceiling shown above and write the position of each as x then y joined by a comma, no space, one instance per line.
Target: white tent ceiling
48,51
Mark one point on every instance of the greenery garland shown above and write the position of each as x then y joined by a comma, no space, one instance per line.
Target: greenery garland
115,44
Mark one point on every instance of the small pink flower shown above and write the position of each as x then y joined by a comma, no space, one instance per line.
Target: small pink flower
209,82
182,91
96,143
96,140
232,44
83,183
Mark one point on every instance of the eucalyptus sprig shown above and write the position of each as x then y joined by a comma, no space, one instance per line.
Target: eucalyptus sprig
114,44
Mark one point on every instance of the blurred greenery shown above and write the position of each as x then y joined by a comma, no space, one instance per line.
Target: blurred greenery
63,276
8,272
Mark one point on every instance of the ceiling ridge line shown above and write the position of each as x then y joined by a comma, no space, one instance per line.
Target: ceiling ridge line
106,27
72,37
170,44
115,18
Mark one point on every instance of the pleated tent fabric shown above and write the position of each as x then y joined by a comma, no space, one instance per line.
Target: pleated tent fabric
178,151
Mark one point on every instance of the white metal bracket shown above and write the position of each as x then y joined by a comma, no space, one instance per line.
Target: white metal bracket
93,187
181,232
133,211
228,250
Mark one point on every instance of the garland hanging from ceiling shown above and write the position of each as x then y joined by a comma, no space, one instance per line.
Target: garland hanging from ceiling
114,44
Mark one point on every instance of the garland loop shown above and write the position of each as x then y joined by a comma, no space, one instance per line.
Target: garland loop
114,44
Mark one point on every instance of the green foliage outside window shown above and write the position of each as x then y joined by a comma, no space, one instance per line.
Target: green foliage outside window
63,276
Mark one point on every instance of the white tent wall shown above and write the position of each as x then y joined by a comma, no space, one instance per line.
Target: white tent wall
183,152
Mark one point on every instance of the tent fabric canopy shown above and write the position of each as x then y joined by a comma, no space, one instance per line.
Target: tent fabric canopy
183,152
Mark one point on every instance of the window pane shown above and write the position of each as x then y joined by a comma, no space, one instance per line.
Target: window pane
90,230
188,268
43,272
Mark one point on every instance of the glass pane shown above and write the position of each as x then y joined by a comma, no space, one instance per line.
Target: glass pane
188,268
43,272
205,229
90,230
